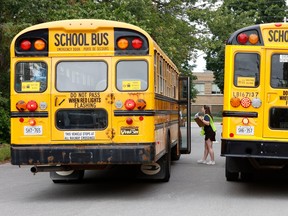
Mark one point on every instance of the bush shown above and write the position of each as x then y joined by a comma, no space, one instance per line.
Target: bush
4,120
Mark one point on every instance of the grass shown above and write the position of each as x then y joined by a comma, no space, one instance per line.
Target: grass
4,152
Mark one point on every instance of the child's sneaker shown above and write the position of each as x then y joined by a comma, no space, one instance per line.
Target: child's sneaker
211,163
201,161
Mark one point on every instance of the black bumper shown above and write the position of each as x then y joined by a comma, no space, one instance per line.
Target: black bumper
82,154
254,149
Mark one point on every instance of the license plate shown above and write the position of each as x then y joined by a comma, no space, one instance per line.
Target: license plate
32,130
245,130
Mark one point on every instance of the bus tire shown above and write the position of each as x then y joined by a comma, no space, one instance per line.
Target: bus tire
230,175
174,155
158,171
72,176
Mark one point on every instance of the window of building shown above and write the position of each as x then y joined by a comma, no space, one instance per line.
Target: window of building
200,87
215,89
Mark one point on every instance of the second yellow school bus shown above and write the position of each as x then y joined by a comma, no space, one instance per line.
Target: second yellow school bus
255,115
88,93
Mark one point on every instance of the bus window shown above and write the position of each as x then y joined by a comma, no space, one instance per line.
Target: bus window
279,71
247,70
278,118
31,77
82,119
81,76
132,75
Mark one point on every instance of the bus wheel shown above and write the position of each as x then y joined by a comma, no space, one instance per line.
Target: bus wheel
174,155
230,176
73,176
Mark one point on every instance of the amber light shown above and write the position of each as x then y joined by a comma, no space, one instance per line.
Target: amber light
253,39
32,105
130,104
25,45
242,38
137,43
32,122
123,43
129,121
39,45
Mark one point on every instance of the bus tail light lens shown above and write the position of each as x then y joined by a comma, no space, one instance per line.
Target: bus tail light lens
245,121
123,43
253,39
129,121
32,122
137,43
32,105
25,45
242,38
39,45
21,106
235,102
245,102
130,104
140,104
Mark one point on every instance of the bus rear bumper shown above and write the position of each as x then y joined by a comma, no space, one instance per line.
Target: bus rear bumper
82,154
254,149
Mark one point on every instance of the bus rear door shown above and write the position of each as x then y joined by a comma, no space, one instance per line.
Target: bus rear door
275,123
81,100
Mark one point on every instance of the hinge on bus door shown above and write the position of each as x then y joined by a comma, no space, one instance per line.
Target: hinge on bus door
110,98
110,133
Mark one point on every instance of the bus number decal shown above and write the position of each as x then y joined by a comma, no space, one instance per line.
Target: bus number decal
245,94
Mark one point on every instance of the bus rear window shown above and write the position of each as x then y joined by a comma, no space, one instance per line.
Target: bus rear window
82,119
132,75
31,77
247,70
279,71
81,76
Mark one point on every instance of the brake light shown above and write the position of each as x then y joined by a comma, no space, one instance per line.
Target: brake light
242,38
245,102
130,104
123,43
25,45
137,43
32,105
39,45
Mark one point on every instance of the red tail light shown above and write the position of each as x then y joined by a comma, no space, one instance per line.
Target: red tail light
137,43
25,45
129,121
32,105
130,104
242,38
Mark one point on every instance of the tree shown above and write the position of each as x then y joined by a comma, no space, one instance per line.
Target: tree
219,23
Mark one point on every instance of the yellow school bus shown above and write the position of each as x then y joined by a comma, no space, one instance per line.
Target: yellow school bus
255,113
89,93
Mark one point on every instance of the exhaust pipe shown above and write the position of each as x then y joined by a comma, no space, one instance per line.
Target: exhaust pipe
36,169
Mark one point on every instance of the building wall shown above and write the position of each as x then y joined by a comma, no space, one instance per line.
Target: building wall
215,101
